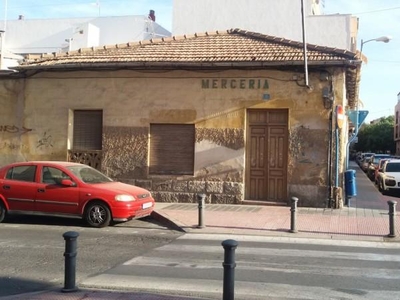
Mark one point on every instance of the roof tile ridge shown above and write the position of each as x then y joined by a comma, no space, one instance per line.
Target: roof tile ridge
292,42
197,35
178,37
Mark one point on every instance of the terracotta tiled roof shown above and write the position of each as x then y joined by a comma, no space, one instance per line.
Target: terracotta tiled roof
232,48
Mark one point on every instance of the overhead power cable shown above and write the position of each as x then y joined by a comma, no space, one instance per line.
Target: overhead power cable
377,10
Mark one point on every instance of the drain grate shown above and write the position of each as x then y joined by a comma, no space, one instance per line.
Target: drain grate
215,207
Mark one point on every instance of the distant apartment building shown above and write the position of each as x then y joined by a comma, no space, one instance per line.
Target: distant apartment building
281,18
376,120
32,36
397,125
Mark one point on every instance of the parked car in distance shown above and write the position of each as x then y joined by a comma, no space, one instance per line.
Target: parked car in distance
360,157
373,164
389,177
70,190
378,169
365,161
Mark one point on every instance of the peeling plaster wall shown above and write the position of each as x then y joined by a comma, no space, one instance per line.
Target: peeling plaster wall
308,169
125,152
12,127
219,154
132,100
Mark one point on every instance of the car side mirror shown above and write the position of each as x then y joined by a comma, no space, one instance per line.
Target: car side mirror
67,182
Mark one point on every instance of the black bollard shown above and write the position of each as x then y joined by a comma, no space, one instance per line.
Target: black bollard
201,201
70,238
229,269
293,212
392,218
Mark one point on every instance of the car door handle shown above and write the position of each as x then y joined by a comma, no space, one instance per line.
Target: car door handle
6,187
40,190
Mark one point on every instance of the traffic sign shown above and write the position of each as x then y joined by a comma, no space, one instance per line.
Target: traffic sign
339,116
362,114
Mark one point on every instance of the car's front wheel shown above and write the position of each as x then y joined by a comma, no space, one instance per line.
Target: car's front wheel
2,212
98,215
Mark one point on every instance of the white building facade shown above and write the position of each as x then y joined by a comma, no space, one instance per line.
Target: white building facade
33,36
281,18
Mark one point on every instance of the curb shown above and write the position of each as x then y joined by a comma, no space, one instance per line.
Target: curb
169,222
174,224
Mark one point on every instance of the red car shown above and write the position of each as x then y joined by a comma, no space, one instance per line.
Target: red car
70,190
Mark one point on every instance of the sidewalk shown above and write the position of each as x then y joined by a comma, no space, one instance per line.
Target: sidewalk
88,294
366,219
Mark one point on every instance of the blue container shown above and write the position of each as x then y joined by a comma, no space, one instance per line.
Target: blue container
350,183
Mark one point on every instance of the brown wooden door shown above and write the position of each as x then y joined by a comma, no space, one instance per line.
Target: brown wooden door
266,155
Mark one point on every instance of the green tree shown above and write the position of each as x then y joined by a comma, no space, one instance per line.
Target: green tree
377,137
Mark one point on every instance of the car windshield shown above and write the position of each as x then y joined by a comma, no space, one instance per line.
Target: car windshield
88,174
393,167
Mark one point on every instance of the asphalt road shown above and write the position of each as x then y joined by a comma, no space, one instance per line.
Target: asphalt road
32,249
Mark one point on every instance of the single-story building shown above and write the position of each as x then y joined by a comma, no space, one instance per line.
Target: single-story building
239,116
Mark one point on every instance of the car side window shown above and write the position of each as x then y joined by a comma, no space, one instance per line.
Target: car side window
22,173
52,175
393,167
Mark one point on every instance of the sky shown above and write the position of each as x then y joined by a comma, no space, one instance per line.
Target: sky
380,77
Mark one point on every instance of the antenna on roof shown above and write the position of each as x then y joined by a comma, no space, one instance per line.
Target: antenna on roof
150,22
152,15
97,3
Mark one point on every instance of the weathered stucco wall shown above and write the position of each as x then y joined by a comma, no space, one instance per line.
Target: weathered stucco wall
215,102
12,126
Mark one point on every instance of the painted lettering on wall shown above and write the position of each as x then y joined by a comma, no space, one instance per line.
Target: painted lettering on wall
14,129
45,141
251,84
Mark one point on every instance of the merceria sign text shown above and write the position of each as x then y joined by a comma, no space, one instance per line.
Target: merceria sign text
255,84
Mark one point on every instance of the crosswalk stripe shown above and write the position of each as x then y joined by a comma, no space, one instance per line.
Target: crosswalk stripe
284,252
291,240
265,269
165,262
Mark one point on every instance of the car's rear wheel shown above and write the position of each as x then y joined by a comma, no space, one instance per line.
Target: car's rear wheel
97,214
2,212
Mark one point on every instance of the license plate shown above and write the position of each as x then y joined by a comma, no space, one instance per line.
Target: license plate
147,205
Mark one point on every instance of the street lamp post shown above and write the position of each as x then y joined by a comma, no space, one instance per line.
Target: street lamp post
384,39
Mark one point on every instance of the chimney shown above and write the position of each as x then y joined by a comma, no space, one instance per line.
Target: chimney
152,15
20,17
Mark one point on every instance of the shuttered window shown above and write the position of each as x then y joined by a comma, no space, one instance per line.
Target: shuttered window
172,149
88,129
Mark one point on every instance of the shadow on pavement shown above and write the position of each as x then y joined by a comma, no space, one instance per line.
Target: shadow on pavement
25,289
142,223
14,286
44,220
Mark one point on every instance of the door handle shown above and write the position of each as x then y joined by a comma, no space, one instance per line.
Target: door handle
6,187
40,190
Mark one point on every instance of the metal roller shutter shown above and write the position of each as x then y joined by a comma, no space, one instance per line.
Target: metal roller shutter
172,149
88,129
